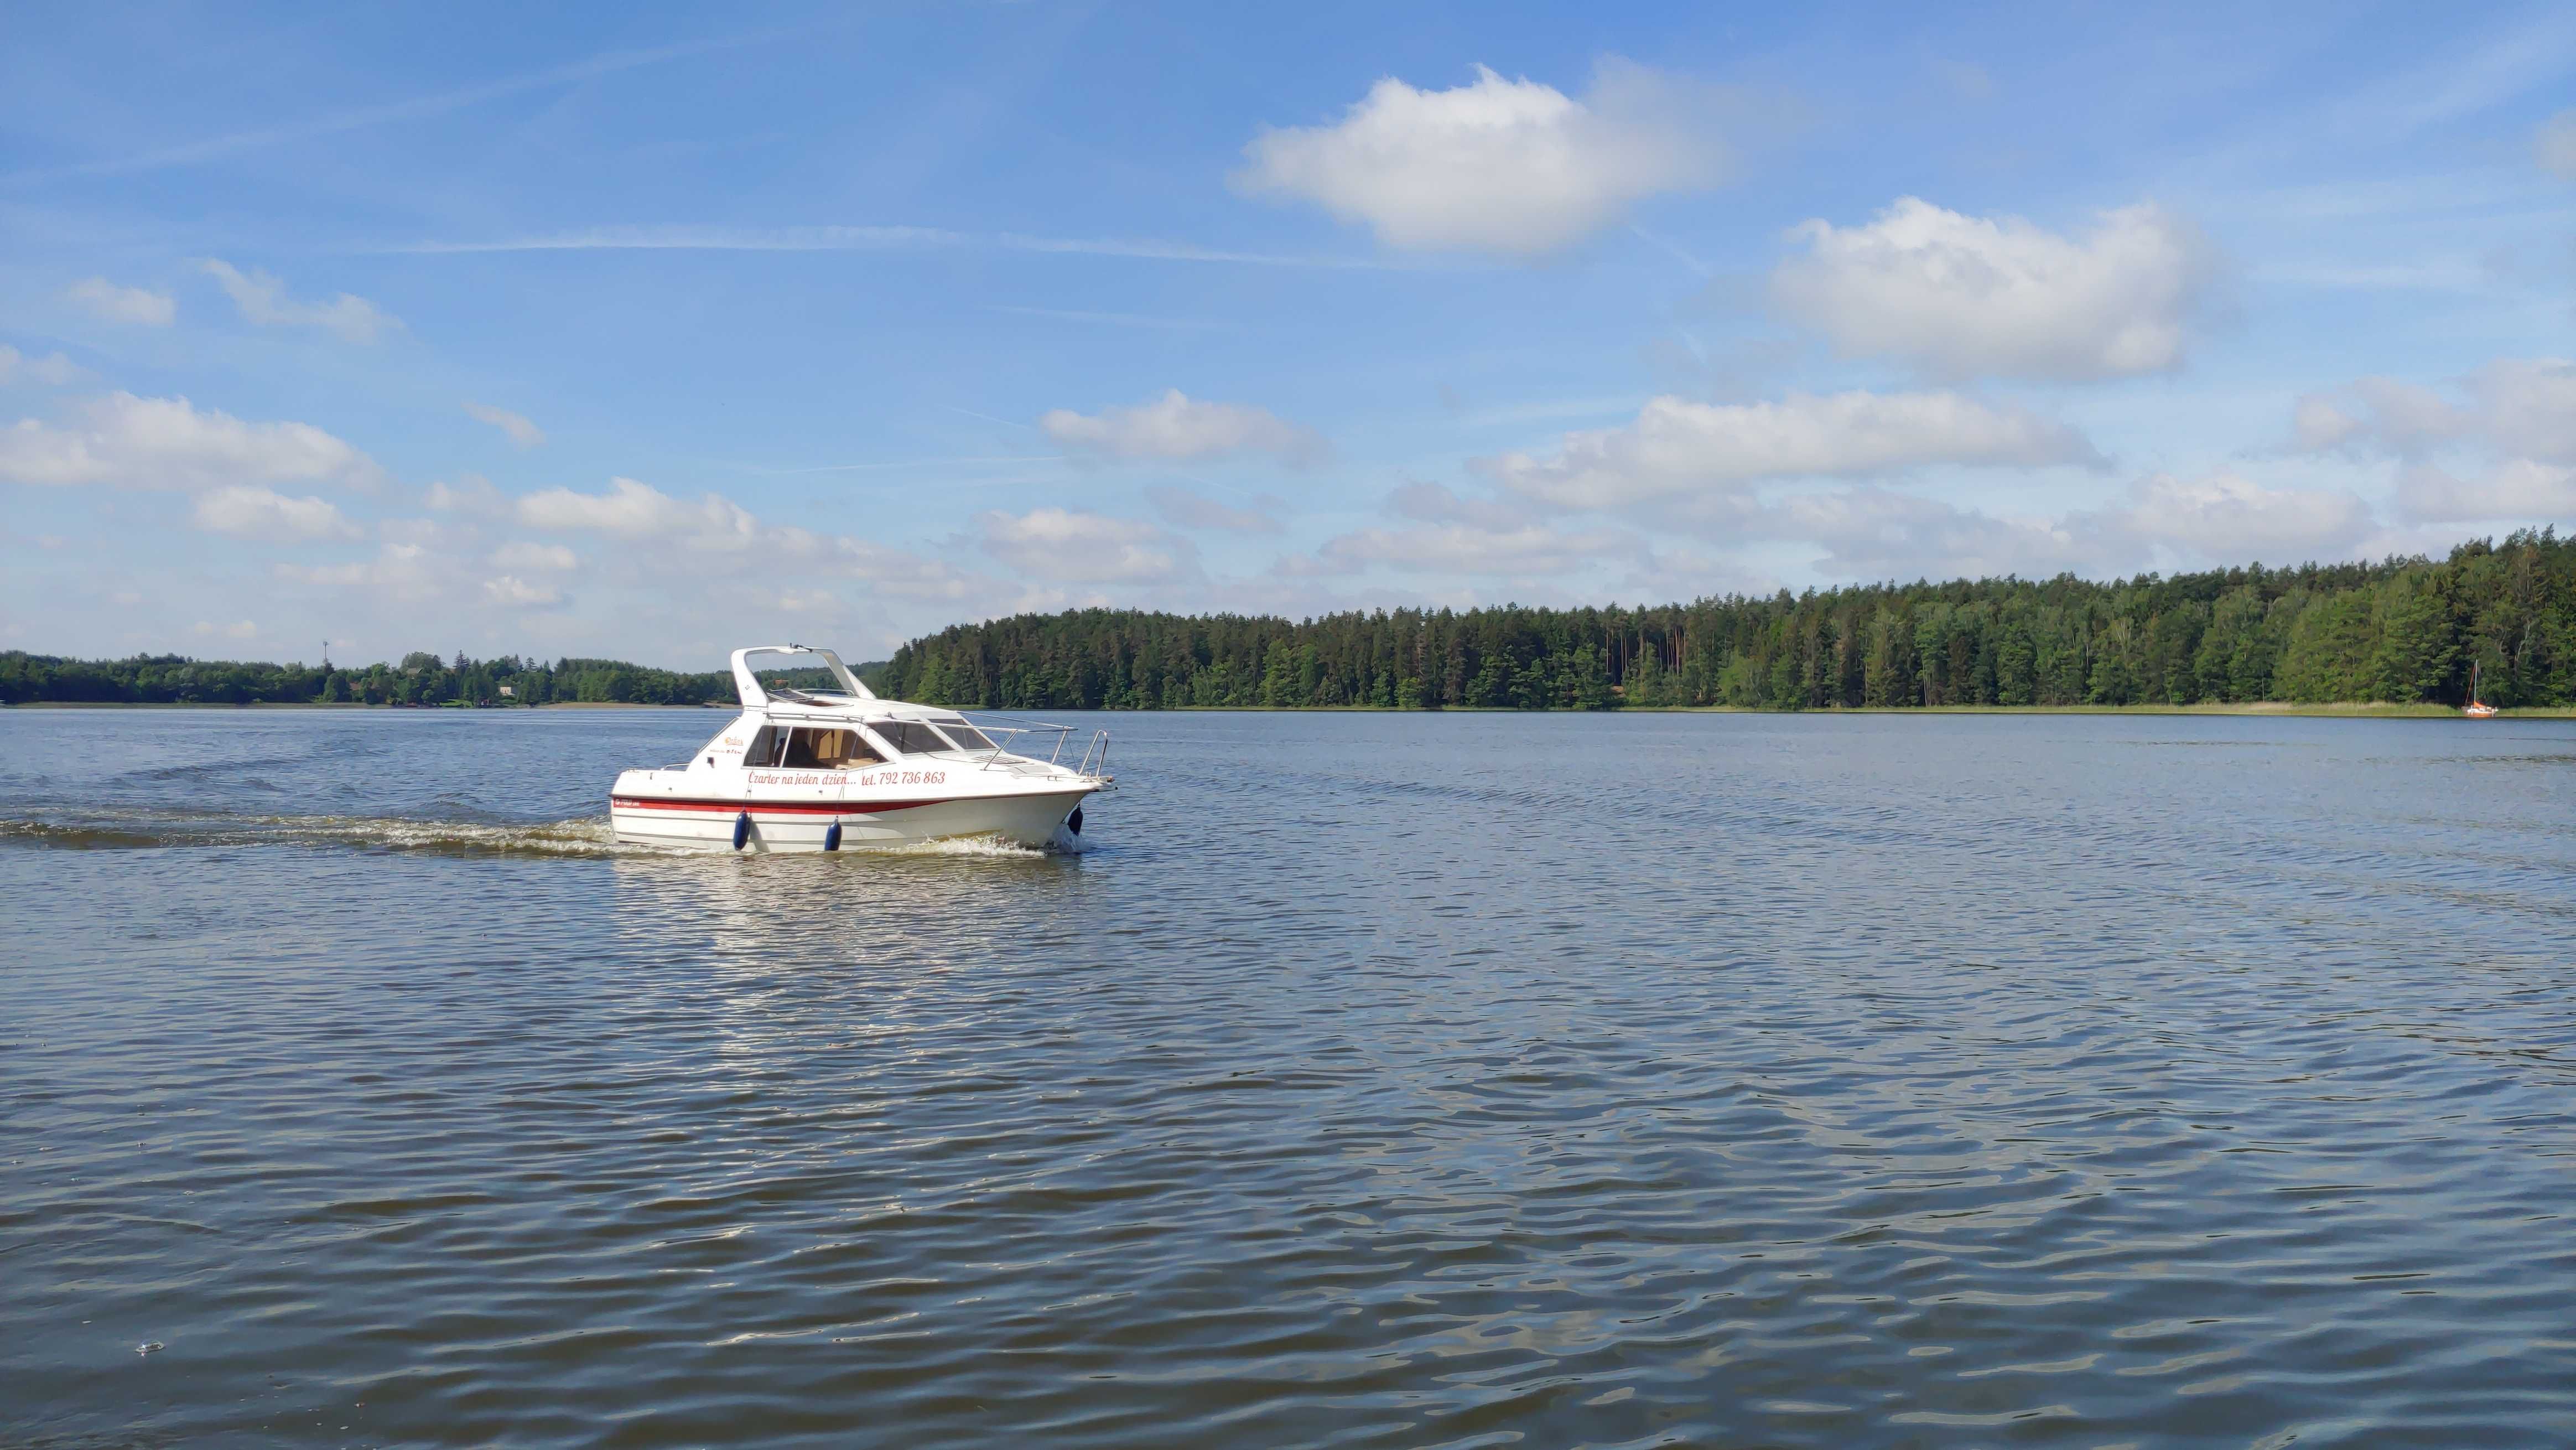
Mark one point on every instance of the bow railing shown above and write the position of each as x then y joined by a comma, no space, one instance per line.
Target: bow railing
1008,740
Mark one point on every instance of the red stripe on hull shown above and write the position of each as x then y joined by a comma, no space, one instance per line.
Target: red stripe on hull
774,808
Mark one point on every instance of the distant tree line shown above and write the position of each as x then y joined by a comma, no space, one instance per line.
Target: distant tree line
2403,630
421,679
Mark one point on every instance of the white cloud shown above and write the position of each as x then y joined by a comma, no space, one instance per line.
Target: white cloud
53,368
2505,441
521,554
1960,296
523,434
2527,407
2321,425
2225,516
1677,447
2511,408
2160,521
811,601
1197,511
635,510
1176,426
1445,533
2406,417
713,524
411,531
511,591
239,629
262,299
406,572
439,573
1435,503
248,511
472,493
1513,168
123,441
2517,491
1061,544
2554,146
1864,532
891,573
138,305
1469,548
1873,533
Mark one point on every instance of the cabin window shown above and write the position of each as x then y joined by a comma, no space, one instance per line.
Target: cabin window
966,736
828,750
909,737
763,749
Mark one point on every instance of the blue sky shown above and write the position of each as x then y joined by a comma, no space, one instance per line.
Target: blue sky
652,333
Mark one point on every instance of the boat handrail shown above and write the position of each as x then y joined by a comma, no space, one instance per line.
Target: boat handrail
1034,727
1098,746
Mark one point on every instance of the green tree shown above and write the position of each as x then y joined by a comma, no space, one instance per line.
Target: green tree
2416,642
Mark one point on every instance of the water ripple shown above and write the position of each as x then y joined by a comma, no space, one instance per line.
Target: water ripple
1453,1081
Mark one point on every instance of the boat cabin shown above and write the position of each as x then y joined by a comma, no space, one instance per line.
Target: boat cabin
787,746
845,729
808,769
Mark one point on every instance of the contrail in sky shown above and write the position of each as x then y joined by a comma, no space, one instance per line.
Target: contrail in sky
413,109
871,238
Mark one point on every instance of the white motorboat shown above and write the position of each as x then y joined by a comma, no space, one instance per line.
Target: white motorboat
825,770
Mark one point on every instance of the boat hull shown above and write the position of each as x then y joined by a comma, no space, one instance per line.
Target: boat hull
1030,819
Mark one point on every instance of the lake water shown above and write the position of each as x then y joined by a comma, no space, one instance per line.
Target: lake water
1457,1080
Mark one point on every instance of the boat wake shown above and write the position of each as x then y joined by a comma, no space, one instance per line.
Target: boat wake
581,836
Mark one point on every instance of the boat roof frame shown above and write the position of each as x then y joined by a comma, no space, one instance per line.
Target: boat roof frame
754,697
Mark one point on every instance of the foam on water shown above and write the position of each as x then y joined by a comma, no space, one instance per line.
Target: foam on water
992,847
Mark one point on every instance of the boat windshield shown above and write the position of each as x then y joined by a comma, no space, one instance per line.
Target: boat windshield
967,736
910,737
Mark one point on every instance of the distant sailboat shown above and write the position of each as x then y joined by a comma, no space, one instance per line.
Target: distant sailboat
2473,709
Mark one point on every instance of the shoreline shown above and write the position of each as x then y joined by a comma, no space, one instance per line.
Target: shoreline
344,705
2376,710
2372,710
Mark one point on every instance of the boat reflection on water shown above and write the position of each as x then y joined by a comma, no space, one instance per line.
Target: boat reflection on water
798,968
927,907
